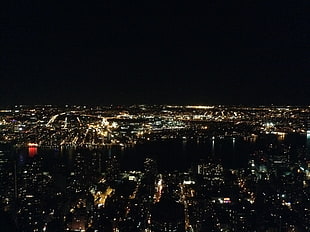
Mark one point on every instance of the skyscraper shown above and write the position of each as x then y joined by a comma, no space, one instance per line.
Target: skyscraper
6,180
308,136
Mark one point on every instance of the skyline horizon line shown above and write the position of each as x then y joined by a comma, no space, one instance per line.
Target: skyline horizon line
198,105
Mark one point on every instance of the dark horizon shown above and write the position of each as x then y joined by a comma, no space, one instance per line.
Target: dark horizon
122,53
121,106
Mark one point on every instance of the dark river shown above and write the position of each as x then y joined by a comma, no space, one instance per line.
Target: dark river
172,154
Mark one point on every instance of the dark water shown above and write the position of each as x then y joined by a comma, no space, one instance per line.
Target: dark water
179,155
173,154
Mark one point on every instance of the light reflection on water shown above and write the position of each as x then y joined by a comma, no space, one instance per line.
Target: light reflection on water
173,154
32,151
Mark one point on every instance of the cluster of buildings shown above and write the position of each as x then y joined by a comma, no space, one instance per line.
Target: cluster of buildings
125,126
58,171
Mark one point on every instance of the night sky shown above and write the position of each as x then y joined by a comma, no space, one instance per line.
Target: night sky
174,53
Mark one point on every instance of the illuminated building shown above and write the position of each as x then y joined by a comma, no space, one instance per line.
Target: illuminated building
7,178
308,136
112,169
150,169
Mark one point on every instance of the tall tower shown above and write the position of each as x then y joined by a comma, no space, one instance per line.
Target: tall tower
7,180
308,136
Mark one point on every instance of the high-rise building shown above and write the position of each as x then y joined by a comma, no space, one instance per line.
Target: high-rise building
308,136
7,180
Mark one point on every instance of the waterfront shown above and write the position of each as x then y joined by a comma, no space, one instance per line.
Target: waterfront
107,169
172,154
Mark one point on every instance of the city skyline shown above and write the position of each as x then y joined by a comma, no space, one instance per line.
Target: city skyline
150,168
254,54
